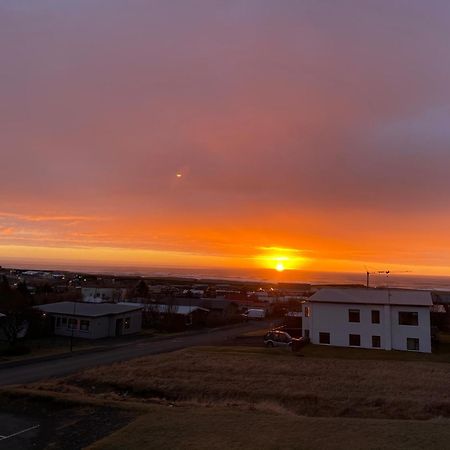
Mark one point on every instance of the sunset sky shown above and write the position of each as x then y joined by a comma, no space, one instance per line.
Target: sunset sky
227,133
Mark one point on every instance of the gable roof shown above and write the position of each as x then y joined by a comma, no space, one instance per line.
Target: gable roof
373,296
87,309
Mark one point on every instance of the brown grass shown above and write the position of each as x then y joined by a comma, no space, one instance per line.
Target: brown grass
166,428
300,385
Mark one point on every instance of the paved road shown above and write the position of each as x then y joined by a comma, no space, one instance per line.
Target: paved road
55,368
17,431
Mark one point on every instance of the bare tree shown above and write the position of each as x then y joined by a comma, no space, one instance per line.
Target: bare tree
16,308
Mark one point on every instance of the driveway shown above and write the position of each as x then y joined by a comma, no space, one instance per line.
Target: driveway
64,366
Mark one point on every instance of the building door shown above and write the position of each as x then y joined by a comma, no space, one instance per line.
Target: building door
119,327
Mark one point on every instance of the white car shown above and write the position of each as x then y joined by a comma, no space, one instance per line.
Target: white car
277,339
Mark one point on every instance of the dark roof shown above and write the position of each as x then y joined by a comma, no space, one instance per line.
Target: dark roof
441,297
183,310
87,309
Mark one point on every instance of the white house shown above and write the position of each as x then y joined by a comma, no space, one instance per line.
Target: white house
390,319
102,295
94,320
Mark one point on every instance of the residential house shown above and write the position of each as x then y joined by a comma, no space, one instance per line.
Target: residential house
93,320
389,319
173,317
102,295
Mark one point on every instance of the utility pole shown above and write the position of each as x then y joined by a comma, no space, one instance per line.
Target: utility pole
378,272
72,327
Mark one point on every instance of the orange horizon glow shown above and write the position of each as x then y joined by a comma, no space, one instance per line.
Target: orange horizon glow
303,136
13,255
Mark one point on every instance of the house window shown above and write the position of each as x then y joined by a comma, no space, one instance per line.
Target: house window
73,324
84,325
126,323
353,315
64,321
376,341
408,318
375,316
354,340
58,322
412,344
307,311
324,338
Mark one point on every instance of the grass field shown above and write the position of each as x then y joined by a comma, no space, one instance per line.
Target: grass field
167,428
256,398
243,377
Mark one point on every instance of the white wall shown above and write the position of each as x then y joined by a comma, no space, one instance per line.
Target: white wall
101,327
98,327
401,332
333,318
135,323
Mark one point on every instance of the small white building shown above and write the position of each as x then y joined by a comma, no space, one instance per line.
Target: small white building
94,320
102,295
389,319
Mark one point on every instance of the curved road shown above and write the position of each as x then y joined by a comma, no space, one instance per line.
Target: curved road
58,367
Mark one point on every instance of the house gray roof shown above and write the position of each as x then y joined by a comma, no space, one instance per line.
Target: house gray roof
164,308
402,297
441,297
88,309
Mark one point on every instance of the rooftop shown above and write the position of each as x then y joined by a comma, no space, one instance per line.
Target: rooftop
373,296
88,309
164,308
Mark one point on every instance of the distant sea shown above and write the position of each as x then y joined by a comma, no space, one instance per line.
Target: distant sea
410,280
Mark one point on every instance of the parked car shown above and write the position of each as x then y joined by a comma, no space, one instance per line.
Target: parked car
255,314
276,338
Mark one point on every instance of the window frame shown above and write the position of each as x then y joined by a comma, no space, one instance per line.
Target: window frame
416,344
352,335
378,316
323,334
408,323
352,311
379,342
88,325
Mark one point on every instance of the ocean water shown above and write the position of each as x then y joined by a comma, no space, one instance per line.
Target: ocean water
298,276
410,280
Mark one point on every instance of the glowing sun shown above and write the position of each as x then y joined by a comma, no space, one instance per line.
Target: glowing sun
279,267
